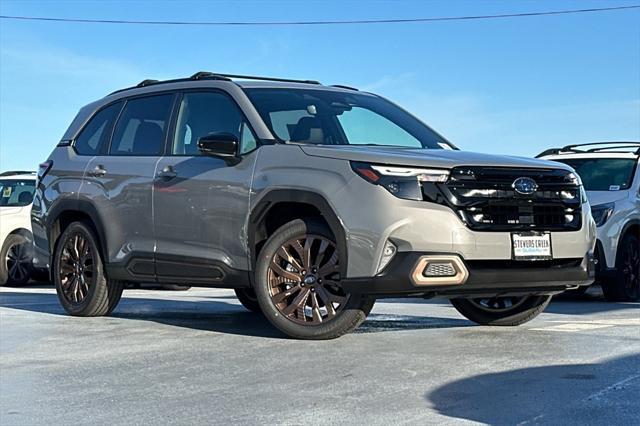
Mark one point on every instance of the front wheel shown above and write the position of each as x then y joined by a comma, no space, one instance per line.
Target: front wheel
78,274
624,286
505,311
298,287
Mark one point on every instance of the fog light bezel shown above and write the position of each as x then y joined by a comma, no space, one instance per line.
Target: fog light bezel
385,259
419,279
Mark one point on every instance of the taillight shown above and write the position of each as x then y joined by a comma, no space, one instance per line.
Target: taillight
43,169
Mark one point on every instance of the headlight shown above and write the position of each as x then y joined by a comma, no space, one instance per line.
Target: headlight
601,213
423,175
403,182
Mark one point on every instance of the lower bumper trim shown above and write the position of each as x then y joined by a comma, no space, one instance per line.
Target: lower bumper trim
484,277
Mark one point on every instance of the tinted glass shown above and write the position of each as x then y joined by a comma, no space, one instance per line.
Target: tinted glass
202,114
248,141
603,174
338,118
16,193
141,127
97,131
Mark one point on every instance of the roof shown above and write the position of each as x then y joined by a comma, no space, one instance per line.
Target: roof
18,174
565,156
245,81
611,149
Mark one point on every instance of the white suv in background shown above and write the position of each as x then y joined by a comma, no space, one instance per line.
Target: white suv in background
16,196
610,172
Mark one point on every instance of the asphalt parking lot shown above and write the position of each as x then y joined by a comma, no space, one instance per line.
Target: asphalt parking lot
197,357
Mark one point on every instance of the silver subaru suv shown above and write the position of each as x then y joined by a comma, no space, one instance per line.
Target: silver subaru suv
310,201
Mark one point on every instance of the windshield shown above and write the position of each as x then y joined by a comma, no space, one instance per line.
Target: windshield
603,174
16,193
325,117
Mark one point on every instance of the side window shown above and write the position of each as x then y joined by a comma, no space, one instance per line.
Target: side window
204,113
247,140
142,125
97,131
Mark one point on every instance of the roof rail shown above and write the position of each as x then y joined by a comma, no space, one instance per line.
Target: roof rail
614,146
206,75
342,86
147,82
201,75
17,172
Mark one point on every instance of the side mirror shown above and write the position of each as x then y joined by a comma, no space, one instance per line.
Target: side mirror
223,145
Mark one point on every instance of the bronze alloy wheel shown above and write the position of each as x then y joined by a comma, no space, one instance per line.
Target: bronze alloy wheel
76,271
304,280
498,304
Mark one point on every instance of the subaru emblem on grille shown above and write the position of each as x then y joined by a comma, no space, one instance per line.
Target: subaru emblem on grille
525,186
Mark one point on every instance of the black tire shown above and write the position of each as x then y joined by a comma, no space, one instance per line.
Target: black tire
16,255
346,311
624,286
495,311
247,296
100,296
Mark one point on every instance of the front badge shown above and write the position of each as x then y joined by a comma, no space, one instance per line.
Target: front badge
525,186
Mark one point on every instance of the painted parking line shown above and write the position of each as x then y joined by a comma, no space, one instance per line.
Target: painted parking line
572,327
585,325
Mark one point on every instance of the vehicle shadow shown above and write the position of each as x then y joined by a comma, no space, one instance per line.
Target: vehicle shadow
561,304
538,395
214,315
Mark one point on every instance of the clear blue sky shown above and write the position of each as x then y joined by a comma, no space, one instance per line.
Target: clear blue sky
514,86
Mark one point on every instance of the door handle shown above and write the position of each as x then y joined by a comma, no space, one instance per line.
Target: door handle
98,171
167,173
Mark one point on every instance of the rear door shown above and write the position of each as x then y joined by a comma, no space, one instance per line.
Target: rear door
201,202
119,182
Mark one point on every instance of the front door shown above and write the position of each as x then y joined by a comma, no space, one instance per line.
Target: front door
200,201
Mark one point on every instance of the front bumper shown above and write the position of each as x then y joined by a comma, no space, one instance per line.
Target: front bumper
475,277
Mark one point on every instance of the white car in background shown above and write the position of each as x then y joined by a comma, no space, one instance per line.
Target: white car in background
16,253
610,172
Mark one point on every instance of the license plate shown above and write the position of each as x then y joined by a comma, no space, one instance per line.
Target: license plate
531,247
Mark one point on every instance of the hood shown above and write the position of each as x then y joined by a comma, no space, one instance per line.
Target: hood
602,197
6,211
439,158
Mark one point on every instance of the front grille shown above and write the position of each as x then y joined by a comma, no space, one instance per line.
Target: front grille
486,199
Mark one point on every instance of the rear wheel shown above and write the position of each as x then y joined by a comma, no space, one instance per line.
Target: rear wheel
78,273
298,284
247,296
505,311
625,285
16,255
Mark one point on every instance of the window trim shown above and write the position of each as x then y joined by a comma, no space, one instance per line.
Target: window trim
168,149
107,141
166,131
